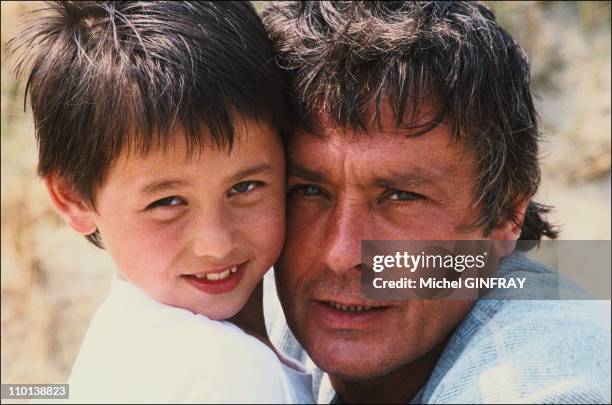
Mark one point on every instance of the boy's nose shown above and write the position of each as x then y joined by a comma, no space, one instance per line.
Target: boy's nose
213,238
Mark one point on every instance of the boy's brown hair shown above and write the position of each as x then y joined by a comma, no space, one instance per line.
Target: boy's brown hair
104,77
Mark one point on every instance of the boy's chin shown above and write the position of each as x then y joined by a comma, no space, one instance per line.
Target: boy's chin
218,314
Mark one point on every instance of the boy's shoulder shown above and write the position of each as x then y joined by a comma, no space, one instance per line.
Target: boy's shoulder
129,316
136,348
127,312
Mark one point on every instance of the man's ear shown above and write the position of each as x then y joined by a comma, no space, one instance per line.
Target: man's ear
71,206
508,231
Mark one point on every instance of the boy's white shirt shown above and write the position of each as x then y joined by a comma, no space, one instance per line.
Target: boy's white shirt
139,350
285,342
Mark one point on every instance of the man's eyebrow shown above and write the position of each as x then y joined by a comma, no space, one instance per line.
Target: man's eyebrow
296,170
408,178
162,185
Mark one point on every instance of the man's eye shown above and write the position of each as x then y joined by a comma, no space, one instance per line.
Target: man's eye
306,190
244,187
399,195
166,202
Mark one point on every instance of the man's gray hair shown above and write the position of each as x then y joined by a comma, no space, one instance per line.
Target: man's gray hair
344,58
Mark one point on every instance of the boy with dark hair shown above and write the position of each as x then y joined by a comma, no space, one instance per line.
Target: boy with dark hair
159,127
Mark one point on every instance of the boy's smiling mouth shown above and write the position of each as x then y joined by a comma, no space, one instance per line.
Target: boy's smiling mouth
217,275
217,281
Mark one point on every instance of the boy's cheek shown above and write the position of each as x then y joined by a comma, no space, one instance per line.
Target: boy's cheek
137,241
159,235
265,229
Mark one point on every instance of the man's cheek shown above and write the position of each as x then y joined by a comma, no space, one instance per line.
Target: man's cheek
302,212
304,226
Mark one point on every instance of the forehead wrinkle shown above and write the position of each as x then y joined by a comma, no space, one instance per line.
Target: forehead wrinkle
365,174
358,160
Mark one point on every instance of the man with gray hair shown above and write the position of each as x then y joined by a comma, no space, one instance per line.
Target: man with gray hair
416,122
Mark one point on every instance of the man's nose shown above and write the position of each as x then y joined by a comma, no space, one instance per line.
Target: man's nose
213,236
342,249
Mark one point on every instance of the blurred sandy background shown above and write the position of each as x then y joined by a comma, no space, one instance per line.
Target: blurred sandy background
52,279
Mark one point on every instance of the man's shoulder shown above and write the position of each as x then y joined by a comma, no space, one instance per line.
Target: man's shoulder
528,350
539,307
515,327
531,351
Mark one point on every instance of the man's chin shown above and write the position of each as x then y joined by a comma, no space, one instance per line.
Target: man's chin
356,371
353,361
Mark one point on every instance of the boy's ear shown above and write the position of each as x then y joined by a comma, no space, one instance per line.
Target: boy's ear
71,206
508,231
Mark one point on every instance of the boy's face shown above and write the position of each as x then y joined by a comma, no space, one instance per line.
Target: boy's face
197,233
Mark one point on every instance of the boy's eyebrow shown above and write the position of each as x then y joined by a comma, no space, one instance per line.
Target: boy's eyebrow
250,171
162,185
168,184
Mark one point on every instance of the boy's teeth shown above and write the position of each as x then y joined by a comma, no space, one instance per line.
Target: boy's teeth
223,274
218,276
350,308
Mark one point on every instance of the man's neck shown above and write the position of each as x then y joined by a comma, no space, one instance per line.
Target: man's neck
399,386
251,317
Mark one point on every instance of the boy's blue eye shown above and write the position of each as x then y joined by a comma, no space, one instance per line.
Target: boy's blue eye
166,202
244,187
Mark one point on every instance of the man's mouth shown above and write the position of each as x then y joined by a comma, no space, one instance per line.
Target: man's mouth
349,308
347,315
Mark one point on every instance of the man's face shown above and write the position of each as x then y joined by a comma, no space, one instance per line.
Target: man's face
382,186
197,232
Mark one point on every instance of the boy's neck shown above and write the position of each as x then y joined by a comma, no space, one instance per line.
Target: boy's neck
251,317
251,320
